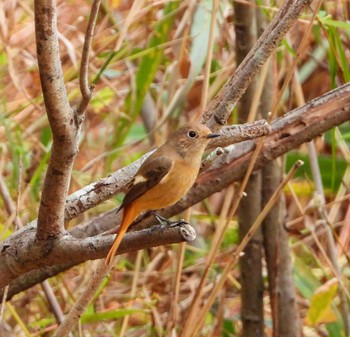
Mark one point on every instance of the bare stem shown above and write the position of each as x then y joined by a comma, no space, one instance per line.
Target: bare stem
84,299
85,89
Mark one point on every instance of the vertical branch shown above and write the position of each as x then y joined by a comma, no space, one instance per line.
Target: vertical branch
65,125
61,119
282,291
252,284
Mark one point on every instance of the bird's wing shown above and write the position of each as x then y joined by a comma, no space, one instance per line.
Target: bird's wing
151,172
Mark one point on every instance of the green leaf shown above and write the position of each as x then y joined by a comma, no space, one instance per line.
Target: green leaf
305,281
3,59
102,98
89,317
332,61
331,179
344,63
335,329
334,158
337,56
35,181
228,328
42,323
321,310
289,48
335,23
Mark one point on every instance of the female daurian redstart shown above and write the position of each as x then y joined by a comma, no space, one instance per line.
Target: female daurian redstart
165,176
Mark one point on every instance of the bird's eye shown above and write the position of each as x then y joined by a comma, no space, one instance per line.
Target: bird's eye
192,134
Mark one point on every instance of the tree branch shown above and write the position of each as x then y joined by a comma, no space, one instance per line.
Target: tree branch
67,249
85,89
61,118
221,106
64,122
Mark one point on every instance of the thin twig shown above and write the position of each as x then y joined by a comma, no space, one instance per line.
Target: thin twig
9,203
84,299
300,51
55,306
3,302
134,283
85,89
208,62
173,312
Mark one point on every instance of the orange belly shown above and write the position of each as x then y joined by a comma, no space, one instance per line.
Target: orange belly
169,190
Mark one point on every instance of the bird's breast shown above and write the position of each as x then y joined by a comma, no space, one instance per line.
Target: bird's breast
171,188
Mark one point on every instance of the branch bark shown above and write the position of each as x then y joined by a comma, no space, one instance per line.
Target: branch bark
61,118
65,123
66,249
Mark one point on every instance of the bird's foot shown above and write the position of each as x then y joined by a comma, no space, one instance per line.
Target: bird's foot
164,222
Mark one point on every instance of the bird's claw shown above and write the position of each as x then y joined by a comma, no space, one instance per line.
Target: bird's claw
164,222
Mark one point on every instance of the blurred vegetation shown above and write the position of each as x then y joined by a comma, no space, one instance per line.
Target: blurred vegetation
159,51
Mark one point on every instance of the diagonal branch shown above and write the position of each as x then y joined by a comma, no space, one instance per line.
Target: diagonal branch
221,106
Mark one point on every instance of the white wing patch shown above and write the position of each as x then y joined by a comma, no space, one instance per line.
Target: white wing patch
139,179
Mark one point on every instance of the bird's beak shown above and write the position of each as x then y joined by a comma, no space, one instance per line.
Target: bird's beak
213,135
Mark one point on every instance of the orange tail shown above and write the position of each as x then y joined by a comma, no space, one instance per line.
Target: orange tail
128,217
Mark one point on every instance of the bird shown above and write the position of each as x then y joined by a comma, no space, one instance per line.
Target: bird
164,177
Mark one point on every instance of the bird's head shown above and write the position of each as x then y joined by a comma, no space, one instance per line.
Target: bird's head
192,139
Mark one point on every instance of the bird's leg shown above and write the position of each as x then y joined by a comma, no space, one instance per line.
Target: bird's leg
166,222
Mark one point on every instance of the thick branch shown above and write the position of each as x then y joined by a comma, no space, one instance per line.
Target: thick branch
221,106
60,115
70,250
65,125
